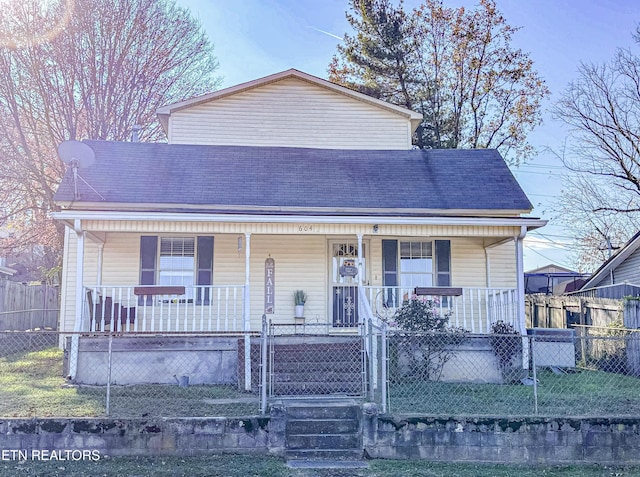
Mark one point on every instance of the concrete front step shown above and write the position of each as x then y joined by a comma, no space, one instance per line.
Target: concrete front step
324,454
321,365
330,377
326,464
320,426
322,409
317,389
323,441
328,430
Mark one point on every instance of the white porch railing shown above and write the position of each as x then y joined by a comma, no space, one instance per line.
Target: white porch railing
200,308
475,310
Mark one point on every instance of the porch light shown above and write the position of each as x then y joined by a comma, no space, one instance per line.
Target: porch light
240,244
375,228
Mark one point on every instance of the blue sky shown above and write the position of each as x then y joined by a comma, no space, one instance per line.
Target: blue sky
255,38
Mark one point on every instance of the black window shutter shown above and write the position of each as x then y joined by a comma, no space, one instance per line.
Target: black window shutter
204,272
390,263
148,263
148,257
390,269
443,263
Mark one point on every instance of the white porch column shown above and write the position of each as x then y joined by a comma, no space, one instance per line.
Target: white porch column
522,325
359,259
73,355
520,279
487,259
99,272
79,274
247,312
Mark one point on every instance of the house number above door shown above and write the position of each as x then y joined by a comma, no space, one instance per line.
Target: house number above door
305,228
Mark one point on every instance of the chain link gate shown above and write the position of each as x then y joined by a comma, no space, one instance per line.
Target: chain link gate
306,360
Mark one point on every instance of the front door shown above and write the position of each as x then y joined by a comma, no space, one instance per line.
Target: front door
344,281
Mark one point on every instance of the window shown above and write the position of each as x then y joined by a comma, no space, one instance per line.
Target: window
416,264
178,261
413,264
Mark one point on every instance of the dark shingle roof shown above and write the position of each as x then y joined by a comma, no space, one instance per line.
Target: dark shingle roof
126,172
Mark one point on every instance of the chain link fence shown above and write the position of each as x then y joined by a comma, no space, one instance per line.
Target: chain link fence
305,360
587,371
549,373
125,375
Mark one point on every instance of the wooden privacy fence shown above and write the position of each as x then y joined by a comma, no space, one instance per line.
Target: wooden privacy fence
27,307
548,311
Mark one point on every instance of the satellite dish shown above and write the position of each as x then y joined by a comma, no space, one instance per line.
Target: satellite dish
76,153
79,156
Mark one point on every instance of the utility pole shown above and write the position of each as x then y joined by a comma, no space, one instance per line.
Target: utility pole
610,248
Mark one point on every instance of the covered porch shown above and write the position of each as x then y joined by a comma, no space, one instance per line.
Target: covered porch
213,309
351,270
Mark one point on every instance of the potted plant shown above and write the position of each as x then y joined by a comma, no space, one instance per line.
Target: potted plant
299,298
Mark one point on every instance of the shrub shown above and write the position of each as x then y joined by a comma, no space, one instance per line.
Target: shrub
422,342
507,346
420,315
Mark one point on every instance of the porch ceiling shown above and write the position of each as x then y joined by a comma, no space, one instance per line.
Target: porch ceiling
493,229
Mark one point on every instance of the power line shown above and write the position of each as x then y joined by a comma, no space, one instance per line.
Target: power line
551,240
535,232
540,166
544,195
549,259
534,172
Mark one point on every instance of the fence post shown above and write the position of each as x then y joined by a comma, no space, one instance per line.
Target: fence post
263,366
373,368
384,382
110,361
583,330
535,376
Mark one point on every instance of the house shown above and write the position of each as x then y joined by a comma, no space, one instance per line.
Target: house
553,280
5,272
284,183
617,277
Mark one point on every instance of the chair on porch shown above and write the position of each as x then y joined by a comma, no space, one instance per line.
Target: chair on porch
122,313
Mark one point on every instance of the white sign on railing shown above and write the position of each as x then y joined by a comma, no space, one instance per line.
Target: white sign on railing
269,285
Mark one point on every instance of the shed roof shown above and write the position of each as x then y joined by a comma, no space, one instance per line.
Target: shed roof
613,262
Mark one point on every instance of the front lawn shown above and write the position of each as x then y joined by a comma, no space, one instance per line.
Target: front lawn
32,385
579,393
249,466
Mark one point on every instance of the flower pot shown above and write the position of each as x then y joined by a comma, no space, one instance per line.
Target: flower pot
299,311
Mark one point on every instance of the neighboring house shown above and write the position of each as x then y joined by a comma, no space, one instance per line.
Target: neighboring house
553,280
5,272
284,183
617,277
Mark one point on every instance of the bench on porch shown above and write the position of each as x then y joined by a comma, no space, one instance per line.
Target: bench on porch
438,291
151,291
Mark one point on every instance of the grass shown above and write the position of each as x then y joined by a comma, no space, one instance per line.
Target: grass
31,385
171,400
581,393
249,466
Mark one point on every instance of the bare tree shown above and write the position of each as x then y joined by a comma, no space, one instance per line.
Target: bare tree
602,108
71,70
455,66
597,232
